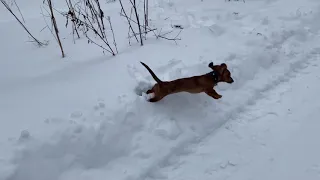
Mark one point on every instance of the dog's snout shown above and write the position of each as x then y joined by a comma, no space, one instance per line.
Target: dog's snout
231,80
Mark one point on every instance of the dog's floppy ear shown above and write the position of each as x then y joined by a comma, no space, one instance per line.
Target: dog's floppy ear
210,65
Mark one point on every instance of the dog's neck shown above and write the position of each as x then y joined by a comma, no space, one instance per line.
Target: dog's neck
215,76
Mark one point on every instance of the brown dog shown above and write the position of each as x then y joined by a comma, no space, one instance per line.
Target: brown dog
196,84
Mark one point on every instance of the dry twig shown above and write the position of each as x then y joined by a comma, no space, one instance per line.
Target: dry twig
90,18
73,18
128,19
19,10
54,23
159,35
114,39
134,5
24,27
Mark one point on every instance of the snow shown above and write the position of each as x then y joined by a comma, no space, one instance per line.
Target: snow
277,142
83,117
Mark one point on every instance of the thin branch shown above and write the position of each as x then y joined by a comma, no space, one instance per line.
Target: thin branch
148,30
114,39
53,20
131,20
19,11
88,24
125,15
24,27
160,35
73,18
137,17
171,39
47,26
146,9
98,44
129,29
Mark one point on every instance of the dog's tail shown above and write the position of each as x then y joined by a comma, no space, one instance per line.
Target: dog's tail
152,73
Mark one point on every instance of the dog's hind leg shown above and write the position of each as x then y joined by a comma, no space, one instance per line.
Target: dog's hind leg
151,96
155,99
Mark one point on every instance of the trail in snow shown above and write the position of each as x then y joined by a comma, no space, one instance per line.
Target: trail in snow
274,138
258,95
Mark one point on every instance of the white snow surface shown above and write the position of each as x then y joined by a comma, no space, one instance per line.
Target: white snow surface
83,117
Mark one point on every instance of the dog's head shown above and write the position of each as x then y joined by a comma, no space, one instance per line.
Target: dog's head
224,75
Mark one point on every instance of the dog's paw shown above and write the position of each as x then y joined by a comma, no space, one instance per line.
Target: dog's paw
218,96
150,96
147,97
142,87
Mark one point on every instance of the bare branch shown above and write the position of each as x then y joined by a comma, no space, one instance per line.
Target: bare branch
91,41
73,18
138,21
54,23
114,39
19,10
148,30
125,15
146,13
24,27
90,18
47,26
129,29
163,36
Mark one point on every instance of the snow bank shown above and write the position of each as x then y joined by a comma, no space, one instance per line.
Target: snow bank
272,139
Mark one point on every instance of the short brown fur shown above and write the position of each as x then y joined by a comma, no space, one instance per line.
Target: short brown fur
195,84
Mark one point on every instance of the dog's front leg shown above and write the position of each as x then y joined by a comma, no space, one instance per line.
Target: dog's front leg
213,93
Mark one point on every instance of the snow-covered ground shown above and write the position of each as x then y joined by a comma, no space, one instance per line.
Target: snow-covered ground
81,117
